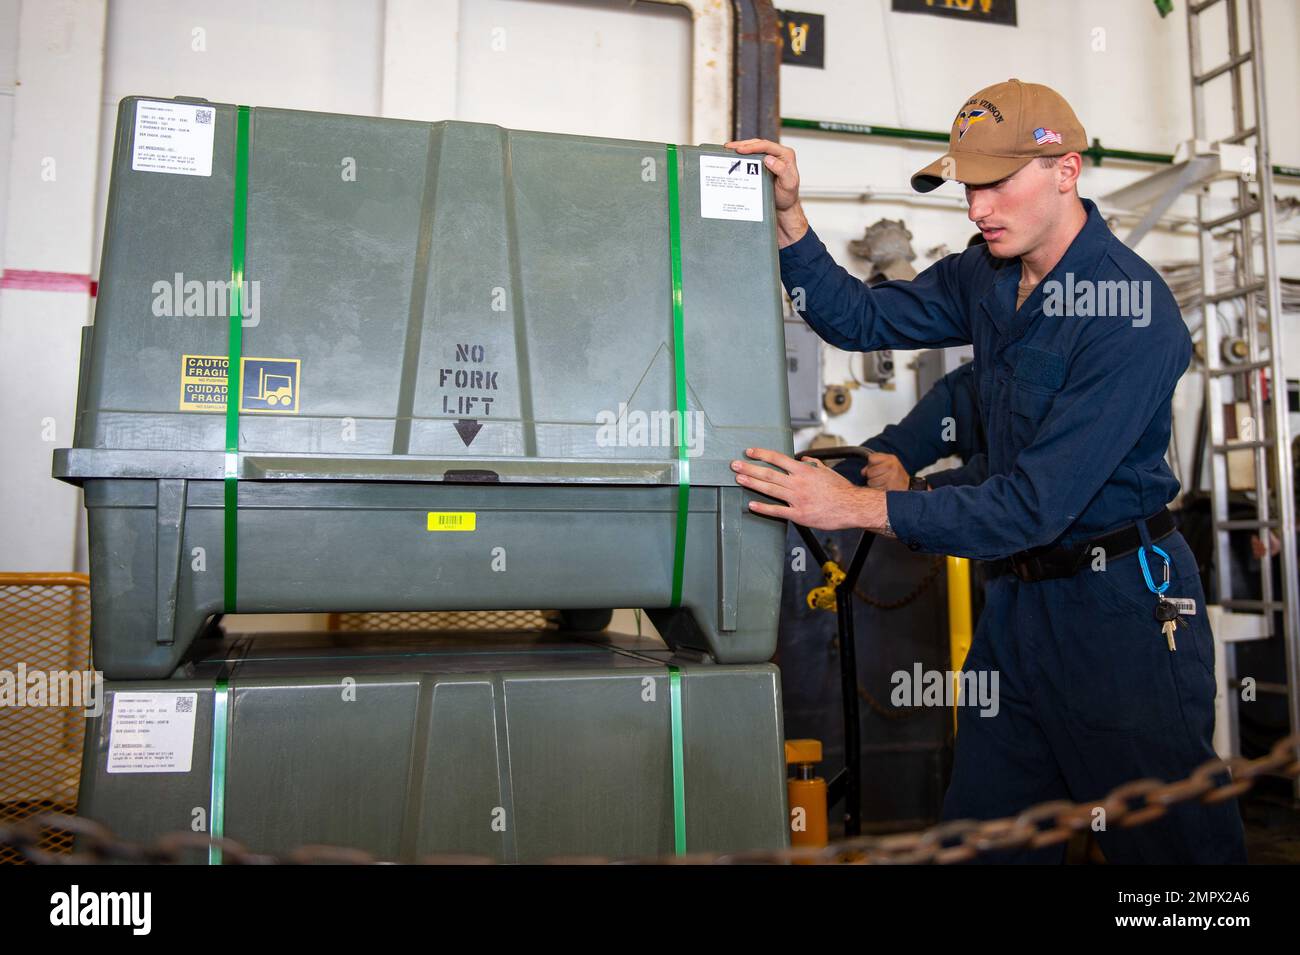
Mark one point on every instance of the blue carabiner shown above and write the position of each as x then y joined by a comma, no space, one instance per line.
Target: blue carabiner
1146,571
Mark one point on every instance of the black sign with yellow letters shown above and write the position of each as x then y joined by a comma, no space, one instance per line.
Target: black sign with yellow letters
976,11
803,38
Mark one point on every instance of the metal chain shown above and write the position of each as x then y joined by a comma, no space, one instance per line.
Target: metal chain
936,565
896,714
893,714
1051,823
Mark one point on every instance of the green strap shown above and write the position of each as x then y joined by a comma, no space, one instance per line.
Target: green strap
217,798
683,495
679,371
234,384
675,724
679,761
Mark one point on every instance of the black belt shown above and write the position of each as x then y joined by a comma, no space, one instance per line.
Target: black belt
1045,563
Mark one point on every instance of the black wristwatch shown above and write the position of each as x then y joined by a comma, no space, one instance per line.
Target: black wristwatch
918,484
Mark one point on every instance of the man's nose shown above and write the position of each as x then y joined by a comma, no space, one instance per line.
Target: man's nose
978,207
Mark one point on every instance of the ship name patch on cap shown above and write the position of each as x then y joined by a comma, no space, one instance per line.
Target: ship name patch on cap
1003,146
967,117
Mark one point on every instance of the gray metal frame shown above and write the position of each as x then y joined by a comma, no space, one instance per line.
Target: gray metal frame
756,104
1225,383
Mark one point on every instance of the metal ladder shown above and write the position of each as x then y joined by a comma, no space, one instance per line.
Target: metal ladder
1236,375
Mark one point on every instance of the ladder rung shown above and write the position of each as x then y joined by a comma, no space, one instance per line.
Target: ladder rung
1243,525
1238,368
1241,603
1241,136
1196,8
1249,210
1240,291
1242,446
1222,68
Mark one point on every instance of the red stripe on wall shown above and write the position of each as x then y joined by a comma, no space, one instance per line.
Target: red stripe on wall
35,280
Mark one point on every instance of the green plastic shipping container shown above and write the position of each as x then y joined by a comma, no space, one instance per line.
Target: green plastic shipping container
511,747
474,368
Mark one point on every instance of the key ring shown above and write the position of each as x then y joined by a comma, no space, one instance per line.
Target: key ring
1146,571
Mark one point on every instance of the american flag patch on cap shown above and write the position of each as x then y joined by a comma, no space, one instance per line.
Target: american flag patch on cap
1044,136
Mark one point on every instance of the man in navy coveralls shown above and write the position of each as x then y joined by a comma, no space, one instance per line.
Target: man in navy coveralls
1078,347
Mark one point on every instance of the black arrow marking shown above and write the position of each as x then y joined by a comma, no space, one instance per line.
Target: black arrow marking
468,430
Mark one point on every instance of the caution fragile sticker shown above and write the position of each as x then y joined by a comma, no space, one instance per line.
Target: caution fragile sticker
269,385
203,382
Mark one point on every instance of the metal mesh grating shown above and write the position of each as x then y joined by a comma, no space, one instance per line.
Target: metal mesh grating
445,620
45,626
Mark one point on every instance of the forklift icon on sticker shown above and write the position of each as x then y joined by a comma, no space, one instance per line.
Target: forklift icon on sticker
270,385
275,388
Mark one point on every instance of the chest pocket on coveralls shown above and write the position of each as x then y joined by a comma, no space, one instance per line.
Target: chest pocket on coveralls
1037,379
1029,406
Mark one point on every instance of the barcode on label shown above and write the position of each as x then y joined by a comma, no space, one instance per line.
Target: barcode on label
451,520
203,116
1186,606
184,704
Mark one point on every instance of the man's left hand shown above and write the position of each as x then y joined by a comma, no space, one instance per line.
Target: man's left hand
815,496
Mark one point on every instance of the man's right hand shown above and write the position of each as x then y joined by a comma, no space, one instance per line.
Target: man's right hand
791,223
886,472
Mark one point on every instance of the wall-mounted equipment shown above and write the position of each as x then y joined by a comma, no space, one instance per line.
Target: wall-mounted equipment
803,368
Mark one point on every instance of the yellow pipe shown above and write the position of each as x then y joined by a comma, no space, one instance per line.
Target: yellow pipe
959,621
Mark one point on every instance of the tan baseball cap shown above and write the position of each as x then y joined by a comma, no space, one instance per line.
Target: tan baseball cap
1001,128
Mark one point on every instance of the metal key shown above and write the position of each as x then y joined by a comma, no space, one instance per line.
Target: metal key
1167,614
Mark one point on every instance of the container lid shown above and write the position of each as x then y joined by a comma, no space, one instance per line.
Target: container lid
414,300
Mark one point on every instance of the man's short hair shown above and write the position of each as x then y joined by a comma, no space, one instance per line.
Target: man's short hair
1047,162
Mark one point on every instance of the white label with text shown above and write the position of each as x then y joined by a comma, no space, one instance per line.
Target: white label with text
731,187
173,137
152,733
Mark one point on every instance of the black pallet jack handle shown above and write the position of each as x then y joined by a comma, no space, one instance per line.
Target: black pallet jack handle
847,783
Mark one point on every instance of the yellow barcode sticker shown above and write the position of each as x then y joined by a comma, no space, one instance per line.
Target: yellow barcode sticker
451,520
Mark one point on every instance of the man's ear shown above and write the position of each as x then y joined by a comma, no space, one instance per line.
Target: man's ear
1068,168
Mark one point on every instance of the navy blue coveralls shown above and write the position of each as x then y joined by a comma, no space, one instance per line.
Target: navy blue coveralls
920,438
1077,415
